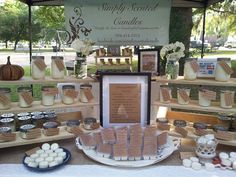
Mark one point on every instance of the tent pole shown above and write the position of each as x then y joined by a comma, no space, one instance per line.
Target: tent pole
30,31
204,27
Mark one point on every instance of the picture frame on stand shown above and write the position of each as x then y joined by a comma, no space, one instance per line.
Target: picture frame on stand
149,61
125,99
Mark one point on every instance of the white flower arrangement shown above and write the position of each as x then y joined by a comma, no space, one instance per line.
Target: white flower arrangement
173,51
82,47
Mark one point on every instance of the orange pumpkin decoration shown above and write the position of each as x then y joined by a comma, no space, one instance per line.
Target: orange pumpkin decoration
11,72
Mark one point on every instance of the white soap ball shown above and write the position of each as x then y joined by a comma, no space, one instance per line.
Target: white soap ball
40,151
43,164
202,140
53,155
210,136
196,166
49,151
46,146
226,162
232,154
234,165
187,163
58,150
62,154
44,155
223,155
28,160
232,159
39,159
53,163
194,159
59,160
210,143
34,156
32,164
209,166
49,159
54,146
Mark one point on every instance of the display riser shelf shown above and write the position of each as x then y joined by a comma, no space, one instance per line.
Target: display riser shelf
47,80
194,106
37,106
209,82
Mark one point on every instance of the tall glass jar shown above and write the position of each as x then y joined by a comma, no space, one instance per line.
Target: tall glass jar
220,73
8,122
172,69
165,99
189,73
57,67
37,72
82,96
5,98
80,67
201,99
180,99
47,98
22,102
68,99
223,99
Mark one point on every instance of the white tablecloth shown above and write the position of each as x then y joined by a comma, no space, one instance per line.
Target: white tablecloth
17,170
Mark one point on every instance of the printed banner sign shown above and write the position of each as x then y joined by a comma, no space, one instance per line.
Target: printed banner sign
130,22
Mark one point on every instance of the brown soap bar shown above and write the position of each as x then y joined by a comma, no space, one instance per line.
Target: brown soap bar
32,151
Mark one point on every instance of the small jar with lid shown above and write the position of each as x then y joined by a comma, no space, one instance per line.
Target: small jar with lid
49,125
83,88
22,114
24,129
38,67
23,103
8,115
5,98
189,72
36,113
180,123
50,117
48,99
89,122
8,122
70,124
202,101
38,120
183,98
57,67
165,94
220,73
4,130
226,99
200,125
219,127
68,97
23,120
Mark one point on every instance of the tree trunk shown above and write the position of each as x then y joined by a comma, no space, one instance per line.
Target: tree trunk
16,42
6,44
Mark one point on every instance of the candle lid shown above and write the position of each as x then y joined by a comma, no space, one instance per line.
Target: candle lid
7,120
48,125
50,116
8,115
223,59
49,112
73,123
162,120
37,57
5,130
85,86
68,87
37,117
200,125
22,114
5,90
27,127
57,57
90,120
24,89
24,118
36,113
180,123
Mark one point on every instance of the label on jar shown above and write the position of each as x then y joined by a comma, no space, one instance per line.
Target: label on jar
184,95
51,91
34,133
27,96
60,65
88,94
228,99
224,135
194,65
4,99
165,94
226,67
52,131
163,126
7,136
71,93
209,95
181,131
40,64
76,131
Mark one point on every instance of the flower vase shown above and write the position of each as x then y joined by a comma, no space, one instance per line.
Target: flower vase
172,69
80,67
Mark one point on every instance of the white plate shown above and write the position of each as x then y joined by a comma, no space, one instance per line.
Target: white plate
166,151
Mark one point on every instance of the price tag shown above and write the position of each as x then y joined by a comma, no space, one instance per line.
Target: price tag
209,95
165,94
184,95
27,96
7,137
71,93
228,99
88,94
194,65
226,67
60,65
32,134
52,131
4,99
40,64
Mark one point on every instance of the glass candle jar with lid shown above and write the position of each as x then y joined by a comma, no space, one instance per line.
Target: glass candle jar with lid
25,97
202,100
48,95
4,130
50,117
8,115
5,98
49,125
190,69
24,129
69,94
165,94
38,120
226,99
23,120
38,67
8,122
57,67
223,69
183,95
85,93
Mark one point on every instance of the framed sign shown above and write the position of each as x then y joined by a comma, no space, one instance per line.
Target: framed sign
149,61
125,99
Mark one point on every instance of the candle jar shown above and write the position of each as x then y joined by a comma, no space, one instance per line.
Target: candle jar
172,69
37,67
50,117
226,99
48,99
8,122
102,62
5,98
189,73
57,67
118,61
22,102
82,96
127,61
38,120
22,114
110,62
181,100
66,98
220,74
70,124
89,122
24,129
23,121
219,127
49,125
202,100
36,113
80,67
5,130
165,94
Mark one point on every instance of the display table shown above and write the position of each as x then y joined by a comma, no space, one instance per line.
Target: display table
81,165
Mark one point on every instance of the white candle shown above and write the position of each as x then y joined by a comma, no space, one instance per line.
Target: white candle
220,74
180,99
47,99
36,72
55,72
5,93
189,73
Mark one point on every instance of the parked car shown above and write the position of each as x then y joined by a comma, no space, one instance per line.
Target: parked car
230,44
